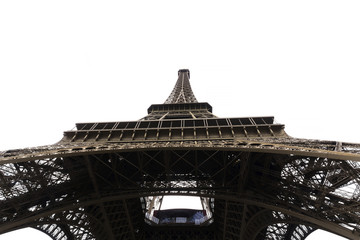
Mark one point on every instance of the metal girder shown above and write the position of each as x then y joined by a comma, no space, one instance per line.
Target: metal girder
293,146
303,174
129,220
262,184
97,194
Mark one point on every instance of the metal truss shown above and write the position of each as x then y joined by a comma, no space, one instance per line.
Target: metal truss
261,184
182,92
256,195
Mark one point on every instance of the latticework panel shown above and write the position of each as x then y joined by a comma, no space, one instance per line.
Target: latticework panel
182,92
256,195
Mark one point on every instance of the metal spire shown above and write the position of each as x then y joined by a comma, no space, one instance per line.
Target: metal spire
182,92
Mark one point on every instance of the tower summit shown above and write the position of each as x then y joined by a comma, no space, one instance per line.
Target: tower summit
181,102
182,92
107,180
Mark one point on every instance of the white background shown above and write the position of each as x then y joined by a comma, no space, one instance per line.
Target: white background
63,62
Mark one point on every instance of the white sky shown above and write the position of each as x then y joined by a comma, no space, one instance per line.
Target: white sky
63,62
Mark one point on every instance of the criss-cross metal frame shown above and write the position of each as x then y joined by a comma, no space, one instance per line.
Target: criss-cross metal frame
261,183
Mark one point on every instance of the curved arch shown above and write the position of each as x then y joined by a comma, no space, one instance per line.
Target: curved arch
267,221
54,231
62,232
317,234
331,227
282,146
273,203
25,233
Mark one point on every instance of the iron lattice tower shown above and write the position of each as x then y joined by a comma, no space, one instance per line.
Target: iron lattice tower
106,180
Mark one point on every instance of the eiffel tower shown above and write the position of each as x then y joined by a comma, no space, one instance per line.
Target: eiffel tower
107,180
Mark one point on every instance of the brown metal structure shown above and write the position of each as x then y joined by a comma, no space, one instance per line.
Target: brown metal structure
102,179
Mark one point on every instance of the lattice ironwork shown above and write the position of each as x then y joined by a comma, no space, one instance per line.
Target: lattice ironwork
182,92
96,183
